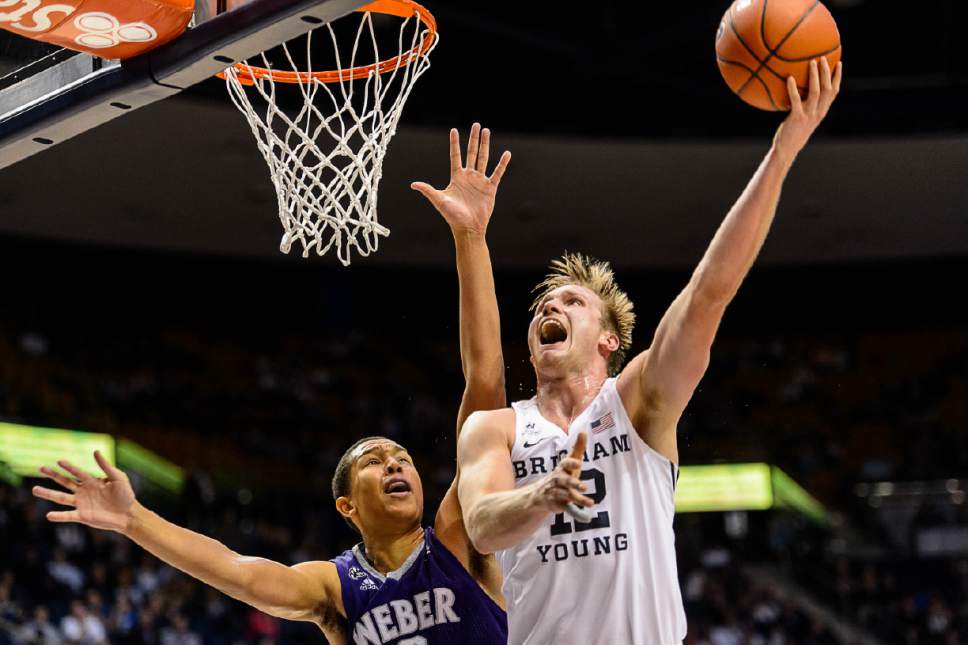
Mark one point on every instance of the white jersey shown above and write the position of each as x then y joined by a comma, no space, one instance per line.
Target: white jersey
612,581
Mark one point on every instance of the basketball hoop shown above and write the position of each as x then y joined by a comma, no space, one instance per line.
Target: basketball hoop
326,154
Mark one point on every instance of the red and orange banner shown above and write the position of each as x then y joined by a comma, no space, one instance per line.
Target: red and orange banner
105,28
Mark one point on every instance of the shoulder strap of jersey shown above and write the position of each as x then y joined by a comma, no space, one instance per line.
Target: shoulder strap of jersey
355,584
525,413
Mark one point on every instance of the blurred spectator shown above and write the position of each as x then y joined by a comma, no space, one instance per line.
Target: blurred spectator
179,633
262,627
82,627
124,618
65,572
39,630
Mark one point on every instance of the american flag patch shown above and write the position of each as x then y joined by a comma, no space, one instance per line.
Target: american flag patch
602,424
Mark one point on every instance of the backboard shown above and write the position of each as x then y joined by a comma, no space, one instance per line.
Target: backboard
48,95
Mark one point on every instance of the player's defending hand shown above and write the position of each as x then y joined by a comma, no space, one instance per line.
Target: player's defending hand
562,486
468,201
103,503
806,114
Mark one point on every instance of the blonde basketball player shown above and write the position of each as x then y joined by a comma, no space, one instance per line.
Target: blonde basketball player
603,438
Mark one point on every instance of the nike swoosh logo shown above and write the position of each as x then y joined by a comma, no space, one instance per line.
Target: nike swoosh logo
532,445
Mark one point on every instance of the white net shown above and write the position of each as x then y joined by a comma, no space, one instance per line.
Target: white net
325,142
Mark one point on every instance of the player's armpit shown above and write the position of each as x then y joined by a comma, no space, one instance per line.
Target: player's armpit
308,591
657,385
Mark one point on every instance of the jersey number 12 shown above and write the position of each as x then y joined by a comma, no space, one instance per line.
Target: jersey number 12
561,526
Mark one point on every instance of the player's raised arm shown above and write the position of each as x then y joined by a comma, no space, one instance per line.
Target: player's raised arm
467,204
301,592
658,384
499,515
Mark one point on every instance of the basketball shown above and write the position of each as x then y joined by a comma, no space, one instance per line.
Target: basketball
762,42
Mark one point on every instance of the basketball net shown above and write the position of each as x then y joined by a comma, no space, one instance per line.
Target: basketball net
326,142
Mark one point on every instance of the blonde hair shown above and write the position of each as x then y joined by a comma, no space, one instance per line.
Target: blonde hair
597,276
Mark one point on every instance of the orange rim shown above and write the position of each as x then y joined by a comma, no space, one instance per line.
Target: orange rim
400,8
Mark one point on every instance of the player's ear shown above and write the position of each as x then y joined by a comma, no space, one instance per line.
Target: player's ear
345,507
609,341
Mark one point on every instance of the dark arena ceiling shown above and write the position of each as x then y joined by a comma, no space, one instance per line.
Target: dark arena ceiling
627,143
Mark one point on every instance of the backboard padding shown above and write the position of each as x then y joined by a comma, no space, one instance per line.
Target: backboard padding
65,99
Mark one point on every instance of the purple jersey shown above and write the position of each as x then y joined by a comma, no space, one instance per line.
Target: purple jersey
431,598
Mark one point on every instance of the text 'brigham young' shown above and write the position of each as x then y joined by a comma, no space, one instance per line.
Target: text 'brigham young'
544,465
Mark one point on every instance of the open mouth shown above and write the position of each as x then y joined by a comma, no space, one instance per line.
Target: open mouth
397,487
551,332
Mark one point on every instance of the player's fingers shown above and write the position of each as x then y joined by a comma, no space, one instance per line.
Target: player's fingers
433,195
582,500
796,104
813,97
561,497
826,82
831,88
485,150
838,75
81,476
56,496
454,151
67,483
110,471
578,450
563,480
424,189
560,494
571,465
502,165
473,143
64,516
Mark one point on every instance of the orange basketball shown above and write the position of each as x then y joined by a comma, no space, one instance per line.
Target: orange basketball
762,42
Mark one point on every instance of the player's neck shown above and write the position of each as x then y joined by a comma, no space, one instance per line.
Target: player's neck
562,399
388,552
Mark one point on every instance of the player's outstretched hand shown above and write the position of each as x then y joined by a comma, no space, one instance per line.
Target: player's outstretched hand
104,503
468,201
562,486
806,114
